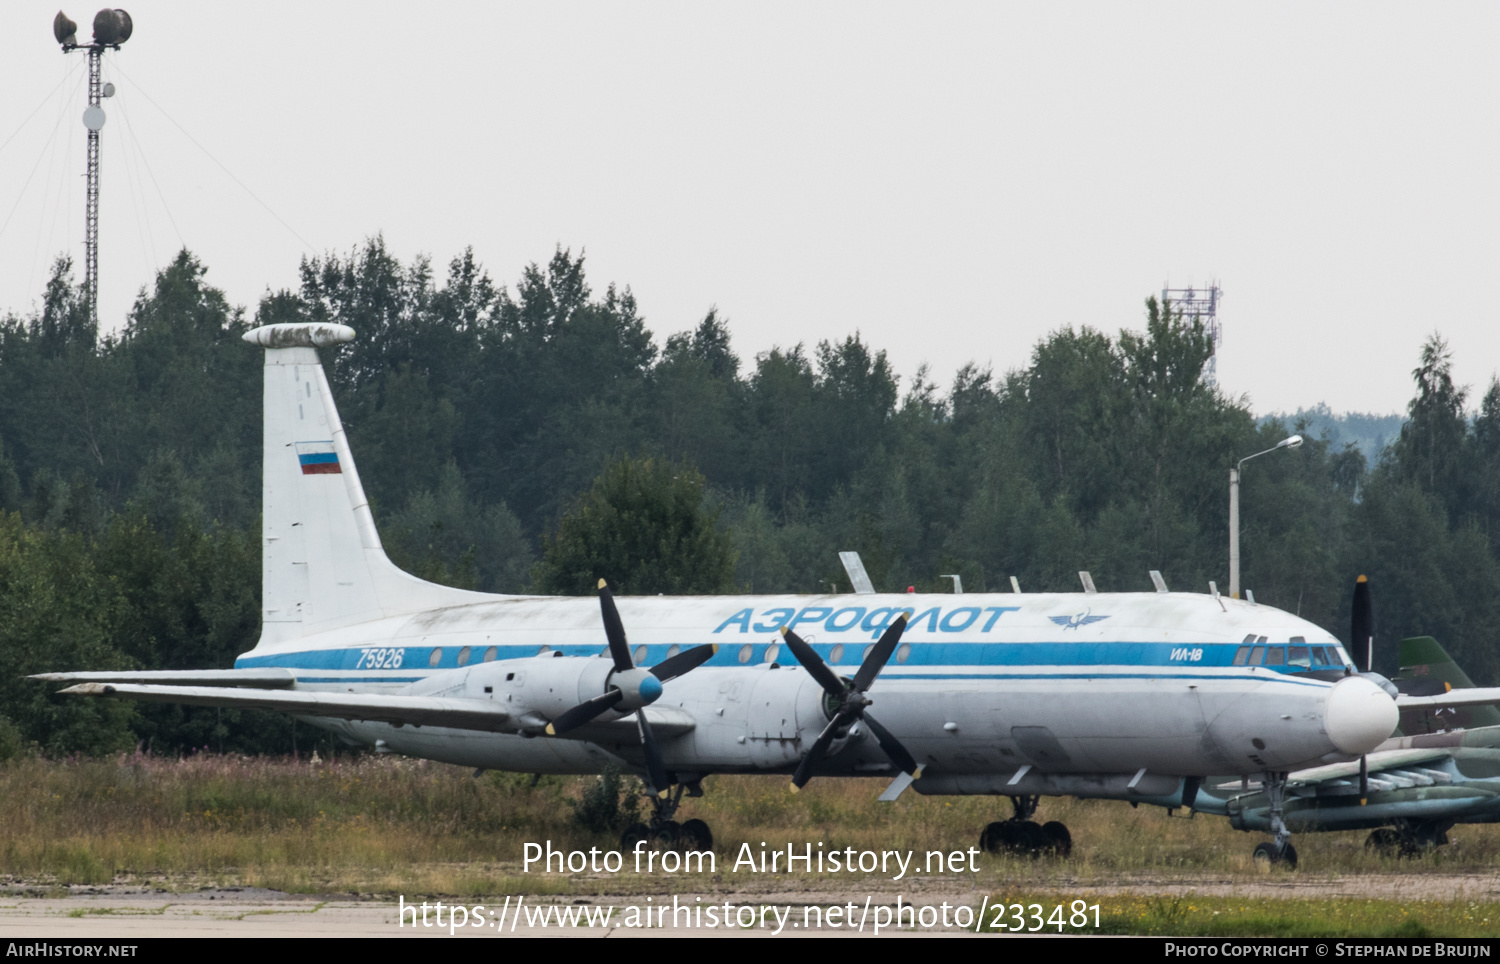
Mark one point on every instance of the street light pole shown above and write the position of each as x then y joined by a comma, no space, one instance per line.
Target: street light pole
1234,511
1234,532
111,28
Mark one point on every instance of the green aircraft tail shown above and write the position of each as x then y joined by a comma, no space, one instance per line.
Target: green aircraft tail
1428,670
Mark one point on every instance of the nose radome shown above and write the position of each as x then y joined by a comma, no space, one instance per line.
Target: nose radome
1359,715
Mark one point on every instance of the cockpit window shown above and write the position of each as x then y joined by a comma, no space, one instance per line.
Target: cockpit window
1320,656
1275,655
1257,655
1241,655
1299,656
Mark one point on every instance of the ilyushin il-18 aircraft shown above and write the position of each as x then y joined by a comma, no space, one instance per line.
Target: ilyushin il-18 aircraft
1128,696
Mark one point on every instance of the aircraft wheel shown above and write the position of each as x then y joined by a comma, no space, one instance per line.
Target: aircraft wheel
1266,856
634,834
1384,842
665,836
992,838
695,835
1059,839
1031,840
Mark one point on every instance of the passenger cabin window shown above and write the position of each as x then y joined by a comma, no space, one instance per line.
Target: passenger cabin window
1299,656
1275,655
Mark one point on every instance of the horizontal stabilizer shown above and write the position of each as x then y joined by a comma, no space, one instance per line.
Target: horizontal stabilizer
459,714
268,678
1479,696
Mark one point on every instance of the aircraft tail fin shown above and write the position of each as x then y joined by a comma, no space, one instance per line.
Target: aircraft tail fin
322,563
1428,670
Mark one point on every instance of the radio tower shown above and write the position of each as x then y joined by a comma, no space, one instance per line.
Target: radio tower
111,28
1200,305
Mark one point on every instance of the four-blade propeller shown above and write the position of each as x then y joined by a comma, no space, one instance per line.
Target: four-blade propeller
1362,641
846,701
631,688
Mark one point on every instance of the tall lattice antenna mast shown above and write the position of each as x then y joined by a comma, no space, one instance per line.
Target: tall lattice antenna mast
111,28
1200,305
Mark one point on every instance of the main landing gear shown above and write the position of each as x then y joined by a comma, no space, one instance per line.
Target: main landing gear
1280,850
1409,838
1023,837
661,832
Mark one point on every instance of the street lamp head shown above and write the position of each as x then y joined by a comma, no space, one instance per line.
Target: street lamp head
112,27
1290,443
65,30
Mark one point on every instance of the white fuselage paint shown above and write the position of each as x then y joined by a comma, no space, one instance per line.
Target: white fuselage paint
1150,685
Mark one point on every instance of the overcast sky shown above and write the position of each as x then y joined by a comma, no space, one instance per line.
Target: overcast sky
952,180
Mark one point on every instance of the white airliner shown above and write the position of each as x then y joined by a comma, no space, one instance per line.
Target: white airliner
1127,696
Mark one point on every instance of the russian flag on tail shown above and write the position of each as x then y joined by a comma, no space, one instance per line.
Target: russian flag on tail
318,458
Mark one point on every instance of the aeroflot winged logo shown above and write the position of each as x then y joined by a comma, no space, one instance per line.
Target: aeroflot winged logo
1072,622
318,458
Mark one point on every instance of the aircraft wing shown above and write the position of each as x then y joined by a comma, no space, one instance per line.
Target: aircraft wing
459,714
666,722
268,678
415,710
1379,761
1478,696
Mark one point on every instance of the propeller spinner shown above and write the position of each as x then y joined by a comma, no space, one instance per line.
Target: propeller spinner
630,688
847,702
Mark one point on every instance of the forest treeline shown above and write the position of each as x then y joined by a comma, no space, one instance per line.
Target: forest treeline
481,413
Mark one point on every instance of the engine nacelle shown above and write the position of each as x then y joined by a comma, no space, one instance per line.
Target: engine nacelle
747,719
545,686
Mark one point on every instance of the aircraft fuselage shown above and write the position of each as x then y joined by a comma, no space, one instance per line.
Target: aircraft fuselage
982,685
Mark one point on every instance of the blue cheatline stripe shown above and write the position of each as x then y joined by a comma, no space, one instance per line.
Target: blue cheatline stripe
317,458
360,679
1090,659
1104,673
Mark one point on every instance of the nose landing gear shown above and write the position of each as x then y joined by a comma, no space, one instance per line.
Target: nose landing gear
1278,852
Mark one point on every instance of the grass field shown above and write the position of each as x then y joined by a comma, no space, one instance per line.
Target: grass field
382,826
